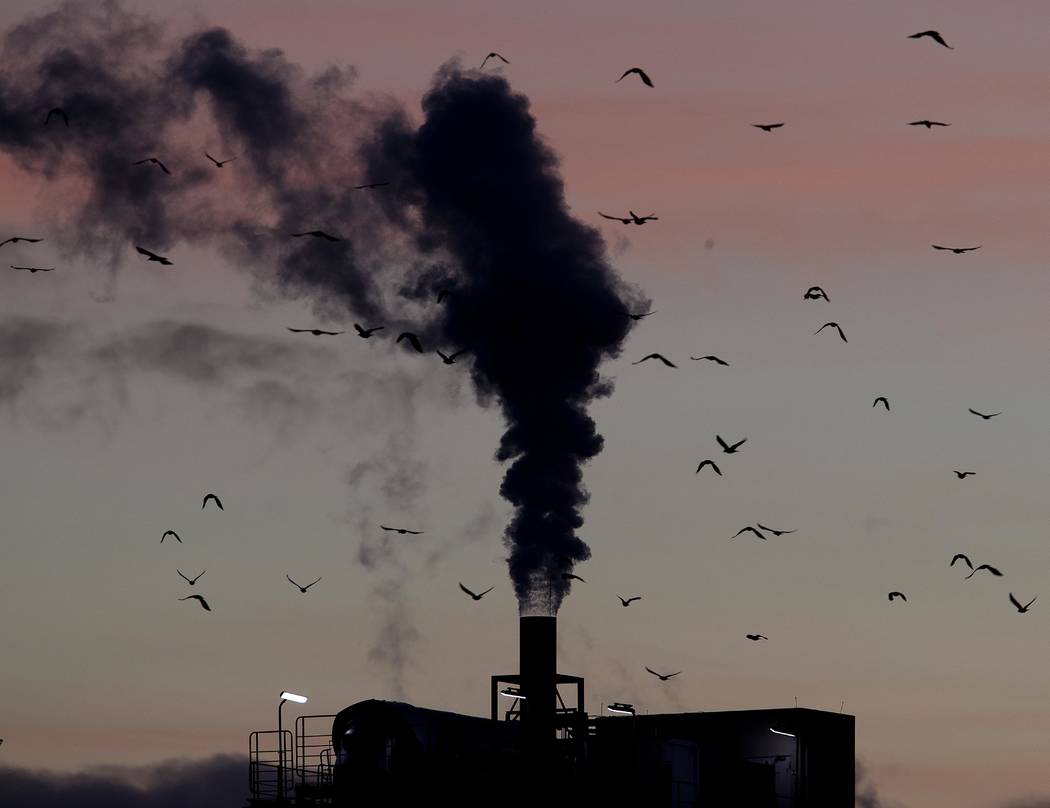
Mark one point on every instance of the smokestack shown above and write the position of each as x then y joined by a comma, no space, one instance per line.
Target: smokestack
538,660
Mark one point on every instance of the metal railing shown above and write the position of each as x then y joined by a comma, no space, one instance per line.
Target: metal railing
313,750
268,780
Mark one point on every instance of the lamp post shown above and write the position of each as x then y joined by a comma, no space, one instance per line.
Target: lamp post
285,696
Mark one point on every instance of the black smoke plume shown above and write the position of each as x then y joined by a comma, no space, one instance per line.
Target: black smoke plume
476,207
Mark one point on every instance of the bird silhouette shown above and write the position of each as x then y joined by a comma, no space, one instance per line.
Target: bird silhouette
171,533
402,531
727,448
412,340
443,293
767,127
988,567
56,111
893,595
33,270
636,317
214,498
641,74
16,239
203,602
493,55
450,359
749,529
934,35
957,250
633,218
710,358
155,161
1017,604
625,602
190,581
710,463
661,676
984,416
301,587
961,557
962,475
885,403
928,124
775,532
756,637
474,595
836,326
366,333
661,357
317,234
816,293
152,256
317,332
219,163
568,576
368,186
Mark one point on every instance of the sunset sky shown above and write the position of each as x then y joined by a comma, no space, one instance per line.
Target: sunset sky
313,442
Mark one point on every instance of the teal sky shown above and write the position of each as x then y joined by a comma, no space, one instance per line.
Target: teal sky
312,443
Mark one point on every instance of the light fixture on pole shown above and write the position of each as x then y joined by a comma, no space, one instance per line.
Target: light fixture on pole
511,693
285,696
620,708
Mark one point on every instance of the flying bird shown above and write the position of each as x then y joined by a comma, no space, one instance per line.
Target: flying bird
219,163
301,587
637,317
204,603
171,533
893,595
152,256
885,403
317,332
155,161
964,558
730,449
928,124
56,111
33,270
568,576
402,531
450,359
412,340
774,532
832,325
962,475
213,498
662,677
476,595
16,239
443,293
641,74
317,234
986,417
710,463
767,127
628,601
1020,608
988,567
370,185
756,637
190,581
661,357
957,250
751,529
710,358
934,35
633,218
816,293
365,333
493,55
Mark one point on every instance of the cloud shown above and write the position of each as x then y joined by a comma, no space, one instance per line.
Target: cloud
216,782
25,342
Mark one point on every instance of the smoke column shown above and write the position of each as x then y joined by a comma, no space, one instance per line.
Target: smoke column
476,207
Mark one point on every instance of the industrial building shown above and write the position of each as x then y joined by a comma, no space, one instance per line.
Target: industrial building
540,746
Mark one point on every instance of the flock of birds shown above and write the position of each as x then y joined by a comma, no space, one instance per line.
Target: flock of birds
413,341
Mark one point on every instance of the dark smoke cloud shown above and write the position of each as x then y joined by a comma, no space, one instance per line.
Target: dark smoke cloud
25,342
217,782
476,205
